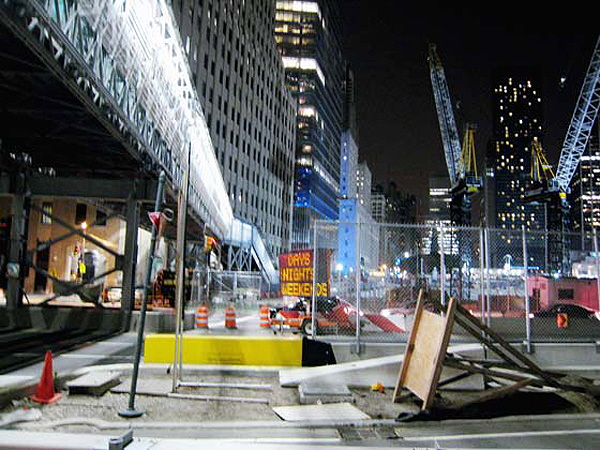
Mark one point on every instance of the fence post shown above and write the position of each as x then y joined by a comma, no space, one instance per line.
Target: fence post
442,268
527,309
313,300
597,264
481,272
357,273
488,300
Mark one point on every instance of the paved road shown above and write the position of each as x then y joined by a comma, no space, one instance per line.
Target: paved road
532,432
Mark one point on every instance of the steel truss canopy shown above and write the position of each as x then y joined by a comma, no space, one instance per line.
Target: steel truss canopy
584,116
124,61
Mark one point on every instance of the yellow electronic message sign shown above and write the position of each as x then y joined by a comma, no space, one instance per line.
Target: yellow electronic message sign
296,273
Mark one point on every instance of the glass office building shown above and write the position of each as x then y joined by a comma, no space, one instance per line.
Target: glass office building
308,35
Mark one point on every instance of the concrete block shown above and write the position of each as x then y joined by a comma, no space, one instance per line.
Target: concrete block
93,383
312,392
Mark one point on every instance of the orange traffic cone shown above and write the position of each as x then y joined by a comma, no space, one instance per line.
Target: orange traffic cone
45,390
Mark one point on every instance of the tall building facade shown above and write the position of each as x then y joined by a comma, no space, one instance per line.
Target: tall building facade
517,119
585,190
439,216
240,80
308,34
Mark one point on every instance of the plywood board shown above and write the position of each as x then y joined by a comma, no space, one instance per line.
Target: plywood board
425,353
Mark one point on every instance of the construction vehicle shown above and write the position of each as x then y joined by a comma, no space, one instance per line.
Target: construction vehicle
552,190
460,160
332,315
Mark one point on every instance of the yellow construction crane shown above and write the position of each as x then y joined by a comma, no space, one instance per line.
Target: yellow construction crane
468,160
541,170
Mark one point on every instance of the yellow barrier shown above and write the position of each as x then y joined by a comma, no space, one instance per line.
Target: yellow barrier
225,350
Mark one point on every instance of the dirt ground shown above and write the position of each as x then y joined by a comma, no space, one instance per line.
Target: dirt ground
83,413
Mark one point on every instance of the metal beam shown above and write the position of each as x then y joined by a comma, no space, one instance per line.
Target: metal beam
100,188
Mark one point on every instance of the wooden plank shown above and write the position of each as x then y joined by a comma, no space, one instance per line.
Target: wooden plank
440,355
492,373
465,316
422,364
425,353
410,345
496,393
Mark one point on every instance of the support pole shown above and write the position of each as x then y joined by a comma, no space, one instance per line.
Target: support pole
597,263
481,273
15,268
488,299
442,268
358,279
131,412
526,286
313,300
180,288
130,259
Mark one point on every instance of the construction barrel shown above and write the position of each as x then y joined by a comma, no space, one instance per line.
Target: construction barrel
202,317
264,317
230,318
562,320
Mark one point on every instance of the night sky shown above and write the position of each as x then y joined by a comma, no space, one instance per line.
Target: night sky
386,43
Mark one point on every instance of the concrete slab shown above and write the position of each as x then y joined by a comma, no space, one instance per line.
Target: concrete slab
93,383
312,392
145,385
12,380
329,412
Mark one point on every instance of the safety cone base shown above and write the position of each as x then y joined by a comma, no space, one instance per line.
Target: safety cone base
52,399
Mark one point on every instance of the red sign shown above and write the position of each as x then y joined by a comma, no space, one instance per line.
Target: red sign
296,274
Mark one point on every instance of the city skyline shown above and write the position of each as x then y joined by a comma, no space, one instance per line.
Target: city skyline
387,49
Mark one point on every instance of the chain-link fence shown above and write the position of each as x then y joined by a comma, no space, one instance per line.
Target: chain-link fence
218,290
526,285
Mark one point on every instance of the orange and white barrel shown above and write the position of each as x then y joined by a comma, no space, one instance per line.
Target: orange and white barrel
264,317
562,320
230,318
202,317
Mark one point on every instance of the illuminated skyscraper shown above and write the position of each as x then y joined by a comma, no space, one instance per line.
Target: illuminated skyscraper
308,35
517,110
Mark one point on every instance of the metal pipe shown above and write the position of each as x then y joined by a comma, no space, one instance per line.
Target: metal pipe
527,309
481,272
597,263
358,273
131,411
442,268
313,300
488,300
180,288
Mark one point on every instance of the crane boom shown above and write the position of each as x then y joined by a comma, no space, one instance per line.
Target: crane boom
581,124
443,104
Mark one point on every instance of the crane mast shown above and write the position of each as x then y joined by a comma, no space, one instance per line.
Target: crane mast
460,160
552,191
584,116
443,105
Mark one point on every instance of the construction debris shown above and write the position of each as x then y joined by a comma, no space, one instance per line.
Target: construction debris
510,370
93,383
